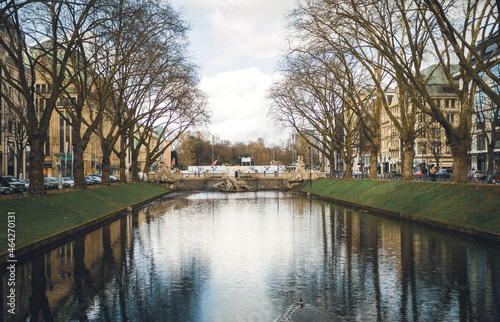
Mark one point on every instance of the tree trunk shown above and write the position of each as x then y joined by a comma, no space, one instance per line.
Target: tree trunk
79,146
409,155
19,163
373,163
37,157
348,165
106,160
123,167
122,157
135,165
459,151
491,154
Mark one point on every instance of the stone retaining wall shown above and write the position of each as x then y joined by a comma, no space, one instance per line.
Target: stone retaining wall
207,184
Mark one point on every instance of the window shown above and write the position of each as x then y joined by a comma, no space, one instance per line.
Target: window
450,118
44,88
38,88
436,133
10,126
480,121
436,148
452,103
422,148
438,102
481,142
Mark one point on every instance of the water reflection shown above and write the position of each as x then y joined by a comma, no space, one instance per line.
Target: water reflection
249,256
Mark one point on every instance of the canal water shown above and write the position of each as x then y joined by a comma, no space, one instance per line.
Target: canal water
251,257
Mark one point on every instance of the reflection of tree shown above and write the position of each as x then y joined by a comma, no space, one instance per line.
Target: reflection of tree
39,301
80,273
408,274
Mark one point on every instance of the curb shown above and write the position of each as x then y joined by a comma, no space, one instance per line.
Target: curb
45,244
491,238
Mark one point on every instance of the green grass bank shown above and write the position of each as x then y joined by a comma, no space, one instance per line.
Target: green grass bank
475,207
41,216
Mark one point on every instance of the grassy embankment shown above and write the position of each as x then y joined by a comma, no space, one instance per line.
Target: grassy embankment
472,206
41,216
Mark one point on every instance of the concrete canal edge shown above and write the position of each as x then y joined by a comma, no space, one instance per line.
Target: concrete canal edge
45,244
491,238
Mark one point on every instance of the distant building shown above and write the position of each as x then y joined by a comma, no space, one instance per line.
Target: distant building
14,150
486,118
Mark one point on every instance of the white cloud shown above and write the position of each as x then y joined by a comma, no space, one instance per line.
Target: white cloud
237,99
237,43
243,28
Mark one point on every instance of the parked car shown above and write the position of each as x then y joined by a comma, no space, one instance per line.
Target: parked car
50,183
97,179
91,180
17,185
112,178
444,174
5,189
26,183
68,182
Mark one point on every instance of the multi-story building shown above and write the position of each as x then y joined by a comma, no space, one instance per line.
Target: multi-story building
58,144
430,144
14,149
486,119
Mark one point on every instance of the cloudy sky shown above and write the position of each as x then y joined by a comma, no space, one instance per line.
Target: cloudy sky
237,45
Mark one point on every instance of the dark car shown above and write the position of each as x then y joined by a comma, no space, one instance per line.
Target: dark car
50,183
5,189
17,185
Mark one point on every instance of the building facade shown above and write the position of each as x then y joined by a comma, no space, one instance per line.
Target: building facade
14,148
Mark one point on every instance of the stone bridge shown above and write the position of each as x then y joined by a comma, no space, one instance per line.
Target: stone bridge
223,182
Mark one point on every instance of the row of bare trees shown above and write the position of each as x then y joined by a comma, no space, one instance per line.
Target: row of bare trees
198,148
120,68
344,56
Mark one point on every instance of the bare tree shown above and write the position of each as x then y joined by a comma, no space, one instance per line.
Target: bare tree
310,100
425,31
148,82
42,36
